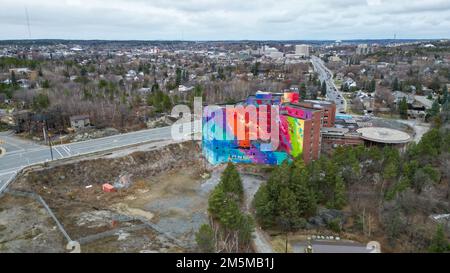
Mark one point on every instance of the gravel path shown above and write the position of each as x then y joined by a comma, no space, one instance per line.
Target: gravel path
251,185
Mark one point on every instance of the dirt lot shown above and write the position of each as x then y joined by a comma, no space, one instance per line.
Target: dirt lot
159,212
32,231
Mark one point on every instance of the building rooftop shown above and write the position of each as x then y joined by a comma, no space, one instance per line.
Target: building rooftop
384,135
334,130
320,102
79,117
424,101
298,106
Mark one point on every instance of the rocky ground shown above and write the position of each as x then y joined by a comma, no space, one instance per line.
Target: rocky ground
159,212
26,227
88,134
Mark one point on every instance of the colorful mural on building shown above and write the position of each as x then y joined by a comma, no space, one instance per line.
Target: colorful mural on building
291,134
220,142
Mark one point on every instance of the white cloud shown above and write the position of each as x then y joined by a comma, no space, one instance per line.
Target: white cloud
225,19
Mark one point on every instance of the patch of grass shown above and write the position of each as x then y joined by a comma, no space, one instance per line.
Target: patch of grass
279,244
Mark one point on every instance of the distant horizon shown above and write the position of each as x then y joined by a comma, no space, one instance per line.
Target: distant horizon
224,20
227,40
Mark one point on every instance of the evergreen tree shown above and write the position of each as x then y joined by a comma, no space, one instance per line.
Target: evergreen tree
155,87
13,78
221,73
445,96
216,201
246,227
166,103
224,207
390,171
230,214
178,76
339,193
287,209
264,205
324,89
302,91
205,239
83,72
185,76
445,105
403,109
46,84
299,184
255,69
435,109
231,182
395,85
373,86
439,242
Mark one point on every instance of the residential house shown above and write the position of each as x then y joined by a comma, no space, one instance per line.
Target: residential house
80,121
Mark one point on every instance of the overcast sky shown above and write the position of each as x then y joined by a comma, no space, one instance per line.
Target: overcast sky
224,19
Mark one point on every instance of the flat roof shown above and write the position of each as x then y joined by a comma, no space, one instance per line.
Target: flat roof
384,135
298,106
79,117
325,102
334,130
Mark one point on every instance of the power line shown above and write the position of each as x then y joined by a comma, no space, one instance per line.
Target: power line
28,22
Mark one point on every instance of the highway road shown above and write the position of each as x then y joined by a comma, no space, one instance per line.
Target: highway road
333,93
20,153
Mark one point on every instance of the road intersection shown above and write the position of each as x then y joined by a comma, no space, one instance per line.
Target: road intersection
20,153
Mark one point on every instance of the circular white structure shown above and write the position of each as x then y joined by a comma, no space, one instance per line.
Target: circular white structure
384,135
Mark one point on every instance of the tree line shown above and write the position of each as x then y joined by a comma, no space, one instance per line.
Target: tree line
230,229
295,190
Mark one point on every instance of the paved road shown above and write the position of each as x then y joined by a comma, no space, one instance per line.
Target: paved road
22,153
332,247
420,128
13,144
333,93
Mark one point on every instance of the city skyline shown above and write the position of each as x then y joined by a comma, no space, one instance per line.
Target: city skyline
200,20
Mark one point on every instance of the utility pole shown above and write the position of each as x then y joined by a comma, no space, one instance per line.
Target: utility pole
286,245
44,129
364,221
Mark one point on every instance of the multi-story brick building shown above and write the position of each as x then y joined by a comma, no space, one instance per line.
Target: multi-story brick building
328,113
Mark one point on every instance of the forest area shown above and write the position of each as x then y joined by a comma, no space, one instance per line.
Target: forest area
385,195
